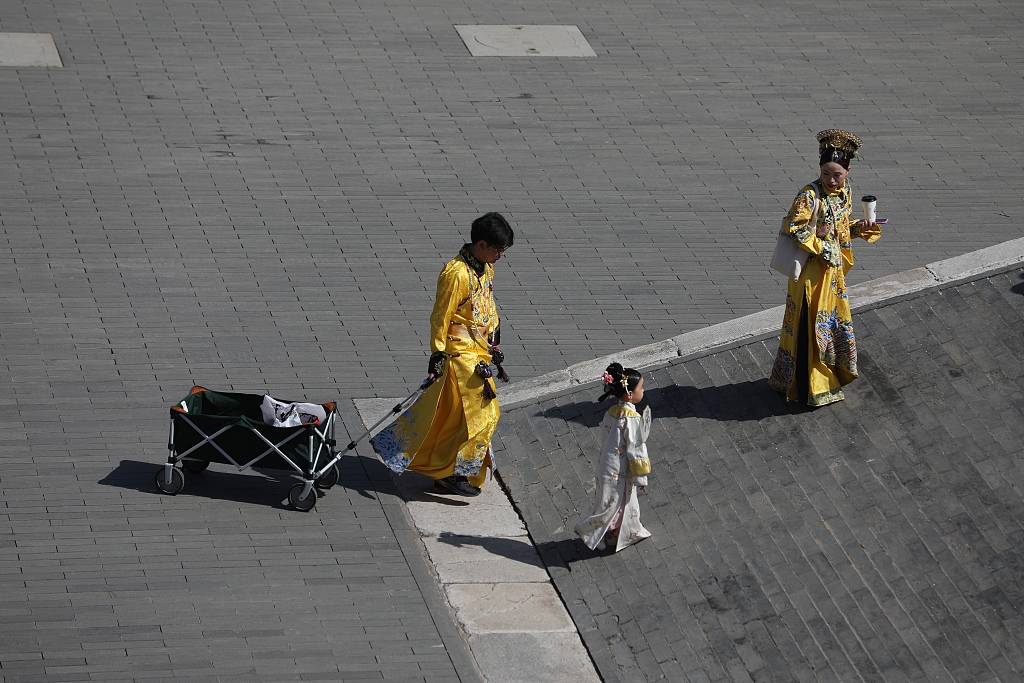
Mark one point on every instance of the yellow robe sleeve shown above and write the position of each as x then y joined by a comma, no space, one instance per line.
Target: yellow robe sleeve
452,290
868,235
800,215
636,449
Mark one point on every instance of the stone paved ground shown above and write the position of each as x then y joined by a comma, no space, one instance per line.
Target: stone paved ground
878,539
257,196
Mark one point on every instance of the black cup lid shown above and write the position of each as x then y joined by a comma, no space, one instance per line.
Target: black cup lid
869,198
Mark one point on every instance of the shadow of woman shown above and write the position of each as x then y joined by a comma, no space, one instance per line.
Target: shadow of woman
751,400
1019,287
739,402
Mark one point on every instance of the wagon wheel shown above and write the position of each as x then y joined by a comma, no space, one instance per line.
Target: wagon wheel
301,505
328,478
176,484
195,466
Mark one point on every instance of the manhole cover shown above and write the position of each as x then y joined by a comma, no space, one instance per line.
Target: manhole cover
525,41
28,49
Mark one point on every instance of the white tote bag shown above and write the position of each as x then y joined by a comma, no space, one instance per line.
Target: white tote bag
788,258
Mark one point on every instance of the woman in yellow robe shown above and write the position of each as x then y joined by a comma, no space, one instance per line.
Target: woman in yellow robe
817,350
446,434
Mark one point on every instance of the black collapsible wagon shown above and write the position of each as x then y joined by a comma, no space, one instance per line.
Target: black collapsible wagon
209,426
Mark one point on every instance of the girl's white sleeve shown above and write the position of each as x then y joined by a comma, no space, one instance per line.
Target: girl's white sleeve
636,451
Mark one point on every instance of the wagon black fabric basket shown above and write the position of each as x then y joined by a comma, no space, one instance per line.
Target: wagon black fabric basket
215,427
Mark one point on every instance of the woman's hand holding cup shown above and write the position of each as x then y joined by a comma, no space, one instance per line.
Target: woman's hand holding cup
868,229
869,232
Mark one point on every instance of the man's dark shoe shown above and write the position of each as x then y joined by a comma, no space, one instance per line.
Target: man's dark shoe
460,486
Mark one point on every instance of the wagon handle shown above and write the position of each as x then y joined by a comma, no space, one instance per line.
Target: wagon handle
399,408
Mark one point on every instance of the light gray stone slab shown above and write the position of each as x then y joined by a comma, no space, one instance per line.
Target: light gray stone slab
508,608
553,658
637,357
525,41
535,386
868,293
489,514
28,49
728,332
372,410
977,262
650,354
481,559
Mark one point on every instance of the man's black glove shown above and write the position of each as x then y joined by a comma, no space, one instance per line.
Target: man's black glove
435,366
497,357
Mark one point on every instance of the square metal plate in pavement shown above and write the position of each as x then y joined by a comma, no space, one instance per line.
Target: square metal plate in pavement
28,49
525,41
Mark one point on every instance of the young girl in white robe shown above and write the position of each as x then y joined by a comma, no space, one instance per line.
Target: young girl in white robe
622,467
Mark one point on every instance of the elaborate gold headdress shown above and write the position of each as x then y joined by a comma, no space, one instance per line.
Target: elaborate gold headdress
838,139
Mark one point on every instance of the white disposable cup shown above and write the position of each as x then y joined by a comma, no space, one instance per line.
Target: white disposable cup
869,201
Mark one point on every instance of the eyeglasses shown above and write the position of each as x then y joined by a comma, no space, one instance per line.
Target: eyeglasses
500,250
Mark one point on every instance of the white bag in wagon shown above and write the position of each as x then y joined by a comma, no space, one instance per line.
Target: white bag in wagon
280,414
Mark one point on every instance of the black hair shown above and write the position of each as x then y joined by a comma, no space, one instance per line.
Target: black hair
493,229
833,154
623,381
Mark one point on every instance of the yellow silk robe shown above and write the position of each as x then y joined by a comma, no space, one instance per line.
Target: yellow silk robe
448,429
832,347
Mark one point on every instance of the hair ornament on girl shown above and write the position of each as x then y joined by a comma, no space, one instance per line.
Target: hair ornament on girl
619,381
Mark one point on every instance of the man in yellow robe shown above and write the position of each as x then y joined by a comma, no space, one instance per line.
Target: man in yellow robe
446,434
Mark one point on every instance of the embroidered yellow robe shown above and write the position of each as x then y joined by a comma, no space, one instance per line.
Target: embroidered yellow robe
448,429
831,360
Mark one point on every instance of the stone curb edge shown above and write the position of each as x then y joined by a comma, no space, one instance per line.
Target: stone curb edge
763,324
